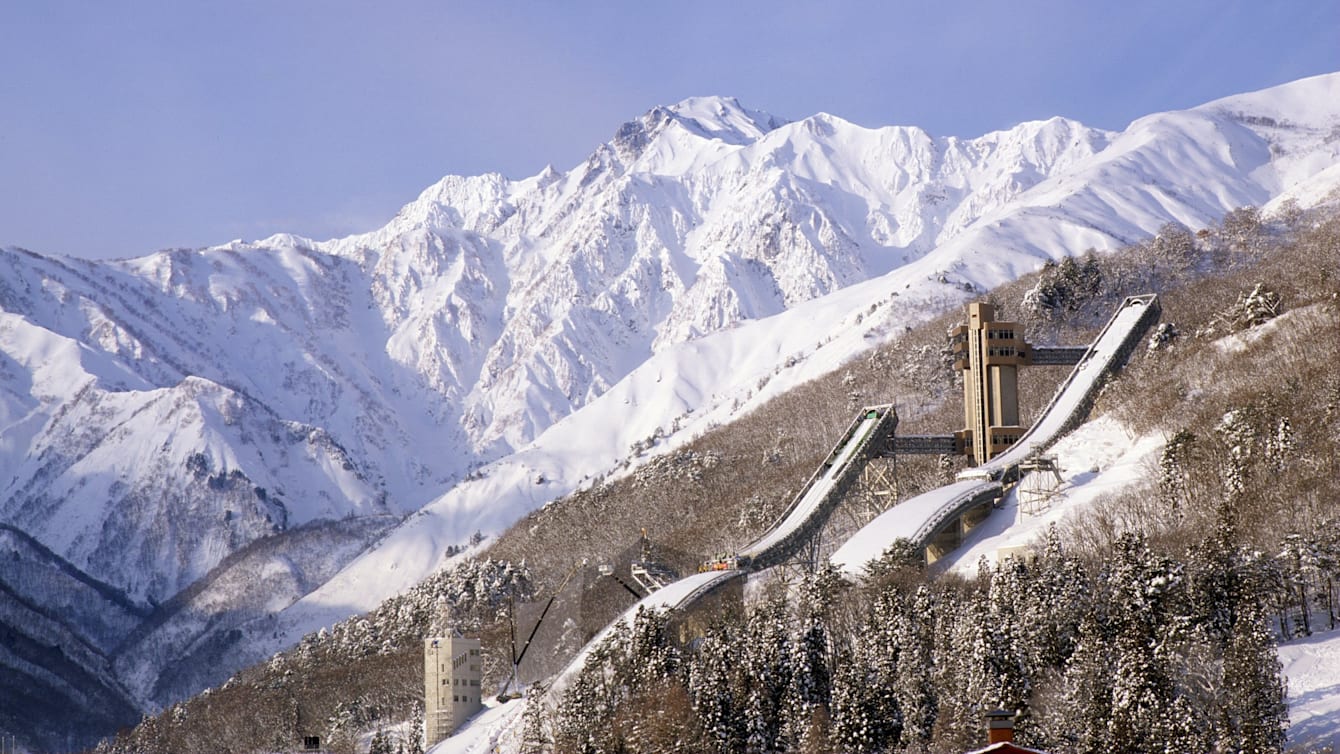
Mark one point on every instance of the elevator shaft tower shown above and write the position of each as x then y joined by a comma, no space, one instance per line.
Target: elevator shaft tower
990,353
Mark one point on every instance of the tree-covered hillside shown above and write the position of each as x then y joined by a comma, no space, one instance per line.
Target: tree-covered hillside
1147,623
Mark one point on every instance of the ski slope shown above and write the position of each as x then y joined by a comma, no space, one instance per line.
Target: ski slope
914,520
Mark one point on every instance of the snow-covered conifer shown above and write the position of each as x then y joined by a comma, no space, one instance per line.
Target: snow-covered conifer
1255,708
912,687
712,690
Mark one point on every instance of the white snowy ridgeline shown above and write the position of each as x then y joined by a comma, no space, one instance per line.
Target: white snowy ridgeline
500,343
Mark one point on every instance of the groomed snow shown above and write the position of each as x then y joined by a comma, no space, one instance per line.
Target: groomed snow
1099,458
902,521
1312,666
486,732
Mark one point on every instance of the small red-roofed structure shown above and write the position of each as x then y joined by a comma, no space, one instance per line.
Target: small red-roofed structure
1000,735
1006,747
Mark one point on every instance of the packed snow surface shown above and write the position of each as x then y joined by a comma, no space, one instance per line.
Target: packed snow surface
489,731
903,521
1077,388
1312,666
1098,459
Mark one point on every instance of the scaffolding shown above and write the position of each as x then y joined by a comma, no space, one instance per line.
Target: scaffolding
1040,481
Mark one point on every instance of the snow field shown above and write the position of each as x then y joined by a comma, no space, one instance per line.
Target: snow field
1312,666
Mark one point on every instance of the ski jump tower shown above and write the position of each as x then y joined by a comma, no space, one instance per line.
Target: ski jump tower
990,354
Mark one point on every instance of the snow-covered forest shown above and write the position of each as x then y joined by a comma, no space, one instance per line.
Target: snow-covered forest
1142,652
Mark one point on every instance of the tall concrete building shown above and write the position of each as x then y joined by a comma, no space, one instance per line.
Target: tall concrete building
990,353
451,684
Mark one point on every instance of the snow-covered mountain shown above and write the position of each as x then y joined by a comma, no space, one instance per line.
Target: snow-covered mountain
183,419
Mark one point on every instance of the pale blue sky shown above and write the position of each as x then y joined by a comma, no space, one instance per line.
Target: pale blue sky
131,127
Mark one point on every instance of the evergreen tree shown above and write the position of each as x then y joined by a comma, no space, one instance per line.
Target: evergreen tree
765,676
912,687
865,714
811,680
964,687
712,691
1142,590
1079,723
535,734
1255,695
1173,461
416,736
590,701
1007,683
649,658
1065,286
1053,602
900,558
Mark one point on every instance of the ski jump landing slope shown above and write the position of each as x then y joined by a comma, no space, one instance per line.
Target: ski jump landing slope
918,519
1075,396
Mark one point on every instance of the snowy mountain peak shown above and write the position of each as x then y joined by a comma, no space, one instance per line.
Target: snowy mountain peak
680,138
469,203
725,118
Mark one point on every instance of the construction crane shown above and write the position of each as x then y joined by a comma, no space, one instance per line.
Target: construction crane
517,656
